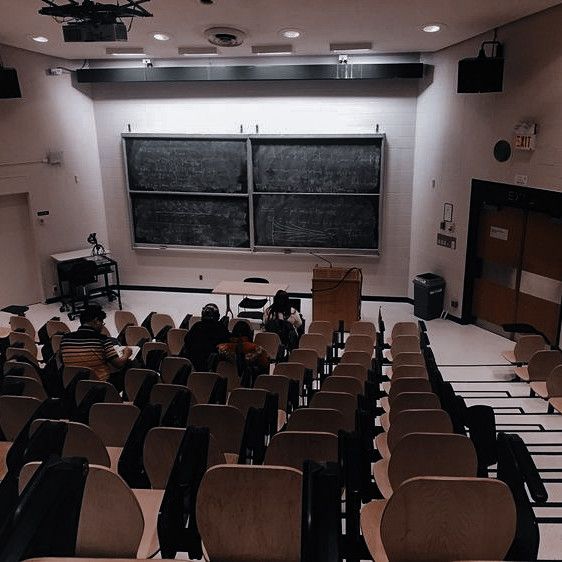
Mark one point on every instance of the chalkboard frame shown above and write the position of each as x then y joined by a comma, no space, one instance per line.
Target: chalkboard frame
250,139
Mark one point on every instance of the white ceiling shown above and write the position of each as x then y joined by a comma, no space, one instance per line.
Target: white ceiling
393,26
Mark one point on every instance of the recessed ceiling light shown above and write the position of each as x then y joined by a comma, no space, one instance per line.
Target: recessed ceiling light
346,48
197,51
161,37
272,49
290,33
432,27
39,39
126,51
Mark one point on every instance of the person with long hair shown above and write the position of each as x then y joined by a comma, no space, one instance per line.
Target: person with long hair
281,309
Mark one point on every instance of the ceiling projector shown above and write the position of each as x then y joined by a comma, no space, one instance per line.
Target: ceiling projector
94,21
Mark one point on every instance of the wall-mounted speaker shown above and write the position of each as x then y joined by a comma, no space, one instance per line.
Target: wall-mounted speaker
480,74
9,84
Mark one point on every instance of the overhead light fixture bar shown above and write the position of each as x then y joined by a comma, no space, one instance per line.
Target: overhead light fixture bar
347,48
126,51
272,49
197,51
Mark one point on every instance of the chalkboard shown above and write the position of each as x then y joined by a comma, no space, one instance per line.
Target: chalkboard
187,164
316,221
317,166
190,220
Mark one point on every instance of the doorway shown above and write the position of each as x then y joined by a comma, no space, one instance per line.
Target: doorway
18,257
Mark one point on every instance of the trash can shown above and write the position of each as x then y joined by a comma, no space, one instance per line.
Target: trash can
429,291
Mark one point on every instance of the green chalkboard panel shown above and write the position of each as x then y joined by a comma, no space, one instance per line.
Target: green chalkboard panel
317,165
190,220
187,164
316,221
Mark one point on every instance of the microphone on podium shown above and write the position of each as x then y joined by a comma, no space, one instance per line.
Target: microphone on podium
323,259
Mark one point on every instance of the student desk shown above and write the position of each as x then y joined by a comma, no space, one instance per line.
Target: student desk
104,266
247,289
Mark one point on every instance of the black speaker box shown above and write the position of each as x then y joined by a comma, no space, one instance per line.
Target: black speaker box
479,75
9,84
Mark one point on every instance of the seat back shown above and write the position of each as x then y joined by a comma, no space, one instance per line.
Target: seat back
124,318
56,327
111,520
293,371
360,342
111,394
251,513
405,344
307,357
135,335
21,354
408,384
226,424
554,382
30,387
15,411
163,394
363,327
175,339
134,379
275,384
153,346
22,324
362,358
341,401
292,448
55,342
269,341
321,327
451,519
317,342
21,369
229,371
418,421
352,370
413,401
542,363
113,422
407,358
21,339
201,385
246,398
170,367
404,329
159,321
409,371
70,371
350,385
316,419
527,346
431,454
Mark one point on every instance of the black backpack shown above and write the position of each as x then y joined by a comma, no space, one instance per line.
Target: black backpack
285,330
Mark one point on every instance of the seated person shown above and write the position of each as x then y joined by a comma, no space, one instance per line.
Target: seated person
88,347
282,319
202,340
242,351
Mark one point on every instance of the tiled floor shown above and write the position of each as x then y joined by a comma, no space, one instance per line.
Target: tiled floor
468,356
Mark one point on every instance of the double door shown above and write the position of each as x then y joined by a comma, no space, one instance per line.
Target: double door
519,269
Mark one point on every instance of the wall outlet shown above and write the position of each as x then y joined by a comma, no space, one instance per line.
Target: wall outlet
55,289
454,304
200,278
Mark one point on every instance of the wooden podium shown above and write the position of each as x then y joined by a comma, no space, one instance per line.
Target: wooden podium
336,295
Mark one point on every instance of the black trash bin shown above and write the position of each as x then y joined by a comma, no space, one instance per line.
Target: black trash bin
429,290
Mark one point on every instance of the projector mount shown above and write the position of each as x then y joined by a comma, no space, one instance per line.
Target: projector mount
95,12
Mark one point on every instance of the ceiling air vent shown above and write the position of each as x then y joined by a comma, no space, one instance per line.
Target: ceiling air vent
225,36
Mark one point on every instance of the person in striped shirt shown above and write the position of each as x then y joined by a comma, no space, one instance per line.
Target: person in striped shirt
88,347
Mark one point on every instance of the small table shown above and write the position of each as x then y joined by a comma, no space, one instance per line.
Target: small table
104,265
249,289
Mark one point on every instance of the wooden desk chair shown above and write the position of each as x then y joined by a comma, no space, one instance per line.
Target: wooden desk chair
113,422
292,448
251,513
84,386
226,424
23,324
15,412
525,347
425,454
175,340
137,335
161,447
279,385
341,401
124,318
363,327
25,341
448,519
134,379
405,384
171,366
111,522
270,341
540,366
316,419
160,321
336,383
360,342
31,387
21,369
412,421
350,370
201,385
409,401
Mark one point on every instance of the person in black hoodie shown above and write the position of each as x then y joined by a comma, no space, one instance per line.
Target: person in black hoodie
202,340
